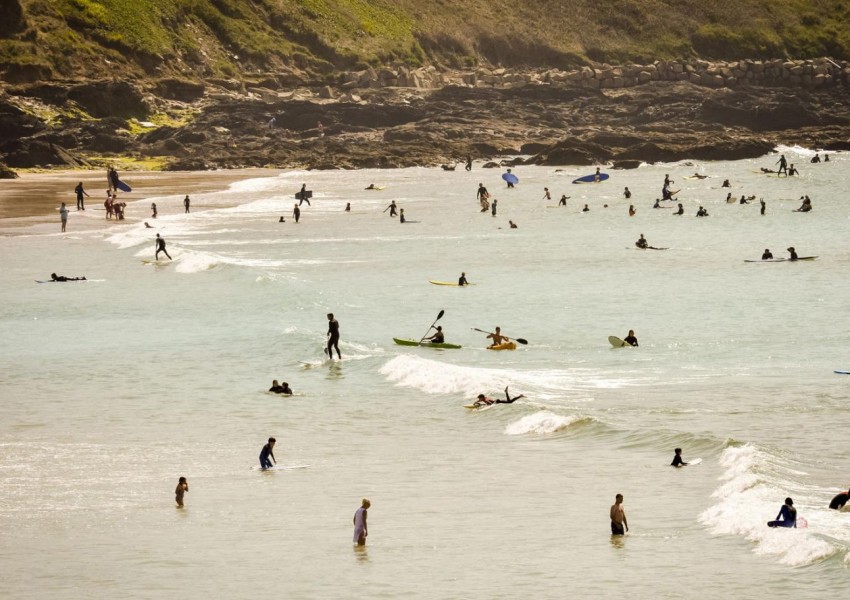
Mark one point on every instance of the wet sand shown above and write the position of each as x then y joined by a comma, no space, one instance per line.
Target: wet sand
34,198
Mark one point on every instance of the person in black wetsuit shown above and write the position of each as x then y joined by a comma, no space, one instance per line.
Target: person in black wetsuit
482,192
333,337
806,206
677,459
563,200
160,247
81,204
275,388
627,194
392,208
642,243
461,281
681,211
768,255
792,171
265,453
793,253
302,195
468,162
763,205
401,218
61,278
510,183
296,212
788,514
493,207
726,183
702,212
630,339
816,158
482,399
783,165
840,500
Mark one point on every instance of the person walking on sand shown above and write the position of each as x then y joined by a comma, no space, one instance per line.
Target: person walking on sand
182,488
333,337
296,213
160,247
186,203
63,216
361,530
619,523
81,205
265,453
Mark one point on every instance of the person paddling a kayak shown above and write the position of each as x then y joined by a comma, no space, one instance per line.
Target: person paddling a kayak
498,338
439,337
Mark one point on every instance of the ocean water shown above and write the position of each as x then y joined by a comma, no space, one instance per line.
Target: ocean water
114,388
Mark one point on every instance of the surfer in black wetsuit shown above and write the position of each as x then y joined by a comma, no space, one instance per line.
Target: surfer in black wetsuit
482,192
333,337
681,211
763,205
401,218
815,159
493,207
563,201
677,459
468,162
783,165
726,183
392,208
642,243
627,194
630,339
768,255
484,400
285,389
793,253
840,500
702,212
461,281
81,204
62,278
275,388
792,171
302,196
160,247
585,209
266,452
296,212
788,514
806,206
510,183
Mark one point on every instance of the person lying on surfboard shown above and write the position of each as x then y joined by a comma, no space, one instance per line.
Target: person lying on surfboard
485,401
498,338
55,277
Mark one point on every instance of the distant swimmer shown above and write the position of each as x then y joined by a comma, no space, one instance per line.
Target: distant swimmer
632,211
153,210
401,218
281,219
149,226
667,180
763,205
461,281
482,192
627,193
840,500
81,203
371,186
681,210
767,254
277,388
825,157
333,337
62,278
585,209
563,200
702,212
63,216
546,194
792,171
783,165
619,523
512,224
497,338
468,162
677,459
392,208
348,207
787,516
493,207
806,206
792,252
160,247
726,183
483,400
361,530
296,213
630,339
266,452
182,488
439,337
815,158
302,195
642,243
767,171
186,203
730,199
698,176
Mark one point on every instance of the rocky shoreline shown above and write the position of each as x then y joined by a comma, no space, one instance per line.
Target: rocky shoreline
394,117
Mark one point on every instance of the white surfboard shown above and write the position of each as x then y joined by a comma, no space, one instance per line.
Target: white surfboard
617,342
280,468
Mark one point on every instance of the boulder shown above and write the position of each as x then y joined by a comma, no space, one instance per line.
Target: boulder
110,98
7,173
183,90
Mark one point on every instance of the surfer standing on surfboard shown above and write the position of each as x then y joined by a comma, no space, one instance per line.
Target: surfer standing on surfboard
160,247
333,337
266,452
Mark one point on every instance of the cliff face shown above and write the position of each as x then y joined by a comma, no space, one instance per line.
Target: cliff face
199,39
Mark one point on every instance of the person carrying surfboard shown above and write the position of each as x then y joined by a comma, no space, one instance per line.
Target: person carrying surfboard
302,195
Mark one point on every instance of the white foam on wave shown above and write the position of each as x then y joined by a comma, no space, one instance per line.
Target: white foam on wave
541,423
782,149
434,377
751,494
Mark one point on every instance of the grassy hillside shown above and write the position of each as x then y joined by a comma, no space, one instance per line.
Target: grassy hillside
223,38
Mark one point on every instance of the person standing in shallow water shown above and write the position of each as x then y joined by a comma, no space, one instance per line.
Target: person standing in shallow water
63,216
160,247
182,488
361,529
186,203
619,523
81,203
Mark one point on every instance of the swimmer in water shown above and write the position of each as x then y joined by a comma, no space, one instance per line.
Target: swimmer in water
619,523
630,339
681,210
839,501
677,459
788,515
767,255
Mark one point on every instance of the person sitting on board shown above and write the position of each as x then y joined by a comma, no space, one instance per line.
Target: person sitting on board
806,206
702,212
816,158
726,183
642,243
55,277
840,500
585,209
768,255
275,388
792,171
788,514
512,224
498,338
630,339
597,177
267,452
438,337
401,218
677,459
681,210
285,389
793,253
461,281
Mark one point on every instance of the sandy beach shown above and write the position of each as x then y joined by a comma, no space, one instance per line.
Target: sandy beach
34,197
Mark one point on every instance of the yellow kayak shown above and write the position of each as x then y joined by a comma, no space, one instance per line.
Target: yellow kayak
503,346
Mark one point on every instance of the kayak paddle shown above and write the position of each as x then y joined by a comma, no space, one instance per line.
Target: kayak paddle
439,316
518,340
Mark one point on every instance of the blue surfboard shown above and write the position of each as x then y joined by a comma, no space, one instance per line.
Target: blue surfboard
510,178
123,186
591,178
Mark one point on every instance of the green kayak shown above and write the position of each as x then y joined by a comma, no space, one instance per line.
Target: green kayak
401,342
